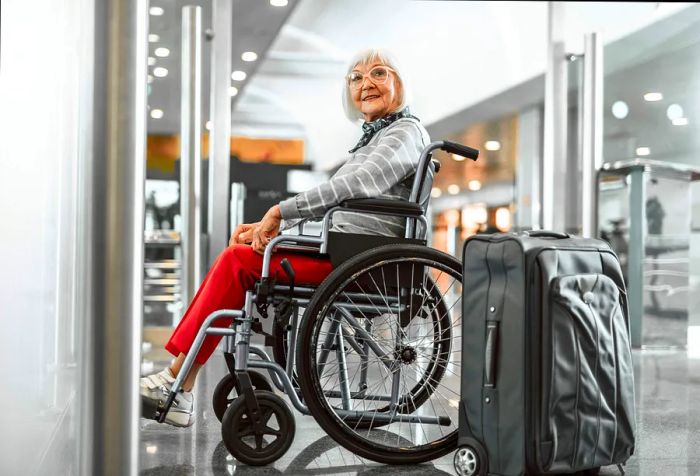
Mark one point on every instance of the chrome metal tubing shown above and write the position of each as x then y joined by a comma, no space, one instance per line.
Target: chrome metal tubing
592,132
243,327
190,149
296,239
342,363
199,340
273,367
257,351
387,361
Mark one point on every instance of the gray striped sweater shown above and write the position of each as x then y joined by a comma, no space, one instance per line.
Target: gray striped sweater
384,168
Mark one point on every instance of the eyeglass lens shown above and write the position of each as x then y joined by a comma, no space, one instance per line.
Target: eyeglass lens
378,75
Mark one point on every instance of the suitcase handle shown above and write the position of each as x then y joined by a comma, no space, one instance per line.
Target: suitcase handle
546,234
490,354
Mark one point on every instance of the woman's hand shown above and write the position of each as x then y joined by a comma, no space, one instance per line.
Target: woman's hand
243,234
267,229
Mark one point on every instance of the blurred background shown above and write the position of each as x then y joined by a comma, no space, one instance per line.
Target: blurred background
507,78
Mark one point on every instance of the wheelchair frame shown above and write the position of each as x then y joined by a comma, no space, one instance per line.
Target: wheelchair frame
238,351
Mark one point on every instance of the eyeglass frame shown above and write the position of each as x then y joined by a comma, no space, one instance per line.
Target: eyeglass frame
367,75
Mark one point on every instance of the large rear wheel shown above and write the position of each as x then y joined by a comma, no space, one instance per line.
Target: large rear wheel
380,346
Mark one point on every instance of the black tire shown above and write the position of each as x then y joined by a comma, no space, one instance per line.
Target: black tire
339,428
237,431
225,392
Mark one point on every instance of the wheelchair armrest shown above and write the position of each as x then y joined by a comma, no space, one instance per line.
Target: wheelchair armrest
383,205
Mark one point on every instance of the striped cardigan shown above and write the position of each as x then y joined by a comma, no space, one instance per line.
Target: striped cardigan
383,168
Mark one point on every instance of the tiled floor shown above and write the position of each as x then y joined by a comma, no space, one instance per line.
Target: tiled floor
668,423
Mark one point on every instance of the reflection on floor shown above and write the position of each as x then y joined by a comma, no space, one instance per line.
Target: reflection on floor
668,425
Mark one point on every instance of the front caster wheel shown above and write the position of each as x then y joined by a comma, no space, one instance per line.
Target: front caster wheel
264,443
225,391
470,461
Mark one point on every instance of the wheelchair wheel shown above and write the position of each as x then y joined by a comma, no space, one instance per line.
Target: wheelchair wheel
266,443
380,345
225,391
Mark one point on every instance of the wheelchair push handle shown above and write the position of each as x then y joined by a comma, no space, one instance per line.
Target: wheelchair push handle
459,149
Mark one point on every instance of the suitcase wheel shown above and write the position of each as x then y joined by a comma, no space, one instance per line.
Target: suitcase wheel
470,460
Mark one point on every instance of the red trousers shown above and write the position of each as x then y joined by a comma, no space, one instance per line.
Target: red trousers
233,273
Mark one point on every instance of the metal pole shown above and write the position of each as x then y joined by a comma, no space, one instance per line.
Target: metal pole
220,143
190,149
115,253
555,124
592,132
635,254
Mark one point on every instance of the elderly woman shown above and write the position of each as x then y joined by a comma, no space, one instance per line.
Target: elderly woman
381,166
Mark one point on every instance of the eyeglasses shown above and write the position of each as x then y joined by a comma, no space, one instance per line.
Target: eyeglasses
378,75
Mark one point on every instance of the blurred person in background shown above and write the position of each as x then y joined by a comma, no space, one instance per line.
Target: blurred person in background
381,165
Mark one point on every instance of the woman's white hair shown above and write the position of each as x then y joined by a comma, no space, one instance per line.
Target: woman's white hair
374,55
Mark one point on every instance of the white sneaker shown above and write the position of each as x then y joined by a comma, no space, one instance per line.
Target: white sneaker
154,391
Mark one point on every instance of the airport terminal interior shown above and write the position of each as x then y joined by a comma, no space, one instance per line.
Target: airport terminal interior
137,135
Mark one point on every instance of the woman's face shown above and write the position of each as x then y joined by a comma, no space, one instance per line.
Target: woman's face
373,99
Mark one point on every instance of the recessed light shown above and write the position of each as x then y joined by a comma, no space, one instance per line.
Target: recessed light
151,449
238,75
279,3
474,185
681,121
674,111
643,151
156,113
453,189
152,38
151,61
156,11
435,192
208,125
457,157
653,97
249,56
162,52
620,109
232,91
160,72
492,145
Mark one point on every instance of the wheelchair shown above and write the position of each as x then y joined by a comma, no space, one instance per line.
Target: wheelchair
375,355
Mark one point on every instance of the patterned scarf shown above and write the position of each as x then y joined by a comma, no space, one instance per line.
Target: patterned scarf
371,128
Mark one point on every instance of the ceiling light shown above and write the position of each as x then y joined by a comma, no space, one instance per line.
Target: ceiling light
208,125
674,111
156,11
503,222
492,145
453,189
435,192
474,185
279,3
232,91
238,75
160,72
162,52
249,56
151,449
152,37
620,109
150,79
151,61
653,97
681,121
643,151
458,158
156,113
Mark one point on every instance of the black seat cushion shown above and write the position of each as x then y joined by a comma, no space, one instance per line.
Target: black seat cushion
343,246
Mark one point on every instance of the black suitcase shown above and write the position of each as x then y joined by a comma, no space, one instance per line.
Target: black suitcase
547,375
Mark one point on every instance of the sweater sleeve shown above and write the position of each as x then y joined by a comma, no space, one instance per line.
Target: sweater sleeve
394,158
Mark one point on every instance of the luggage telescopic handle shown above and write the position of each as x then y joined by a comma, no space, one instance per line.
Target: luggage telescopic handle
490,354
547,234
459,149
